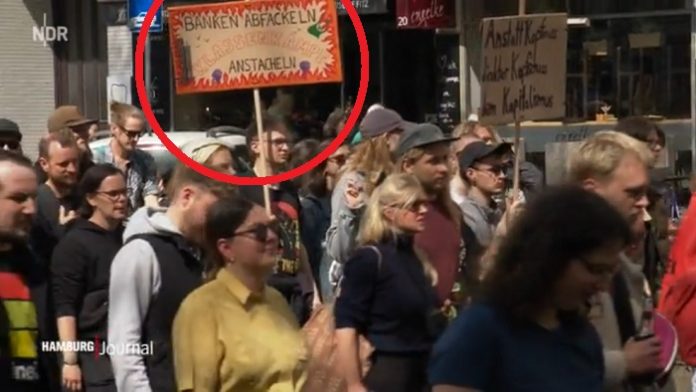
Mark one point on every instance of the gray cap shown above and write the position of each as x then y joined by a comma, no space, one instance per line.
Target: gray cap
380,121
478,150
420,136
10,128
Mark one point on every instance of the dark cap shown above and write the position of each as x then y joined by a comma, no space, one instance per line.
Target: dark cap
421,135
10,128
380,121
478,150
67,116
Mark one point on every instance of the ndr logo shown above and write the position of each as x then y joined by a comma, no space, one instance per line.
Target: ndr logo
48,34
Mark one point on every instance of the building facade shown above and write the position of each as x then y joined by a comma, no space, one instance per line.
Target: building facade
636,56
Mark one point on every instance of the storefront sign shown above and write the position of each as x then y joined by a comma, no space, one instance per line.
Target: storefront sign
365,7
425,14
262,43
523,70
137,9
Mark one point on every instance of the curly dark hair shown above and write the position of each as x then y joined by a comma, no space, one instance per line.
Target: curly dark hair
559,226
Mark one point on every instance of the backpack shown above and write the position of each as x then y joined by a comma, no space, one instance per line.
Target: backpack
678,290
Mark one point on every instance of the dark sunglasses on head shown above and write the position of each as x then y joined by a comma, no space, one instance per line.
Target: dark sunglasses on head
260,231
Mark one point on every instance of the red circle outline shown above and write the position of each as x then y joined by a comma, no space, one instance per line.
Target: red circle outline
237,180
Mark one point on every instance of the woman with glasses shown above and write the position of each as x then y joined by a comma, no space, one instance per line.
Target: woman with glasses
528,328
387,294
80,270
236,333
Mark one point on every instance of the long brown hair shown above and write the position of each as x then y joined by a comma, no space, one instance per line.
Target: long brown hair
373,159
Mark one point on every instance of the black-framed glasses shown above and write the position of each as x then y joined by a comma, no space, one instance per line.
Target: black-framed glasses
495,170
114,194
279,142
260,231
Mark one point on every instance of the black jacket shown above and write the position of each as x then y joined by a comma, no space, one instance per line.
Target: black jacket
23,262
80,270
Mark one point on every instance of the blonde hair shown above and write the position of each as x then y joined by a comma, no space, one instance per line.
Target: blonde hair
444,198
120,112
464,129
372,158
599,155
401,190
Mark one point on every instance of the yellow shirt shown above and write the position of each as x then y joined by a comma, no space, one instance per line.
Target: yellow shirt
225,338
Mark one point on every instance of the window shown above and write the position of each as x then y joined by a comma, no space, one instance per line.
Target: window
638,66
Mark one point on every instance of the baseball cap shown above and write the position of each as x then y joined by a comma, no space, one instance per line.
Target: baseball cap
380,121
479,150
421,135
10,128
67,116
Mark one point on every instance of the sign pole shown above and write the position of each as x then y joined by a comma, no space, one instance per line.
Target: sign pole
148,69
516,149
262,151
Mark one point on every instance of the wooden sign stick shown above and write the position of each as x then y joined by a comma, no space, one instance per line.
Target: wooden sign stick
262,149
516,151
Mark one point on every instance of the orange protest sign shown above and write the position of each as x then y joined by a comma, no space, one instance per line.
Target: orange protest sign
253,44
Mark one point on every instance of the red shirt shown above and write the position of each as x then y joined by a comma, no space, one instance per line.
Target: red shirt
442,244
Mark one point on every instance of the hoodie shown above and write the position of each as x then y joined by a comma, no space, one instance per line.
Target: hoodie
135,281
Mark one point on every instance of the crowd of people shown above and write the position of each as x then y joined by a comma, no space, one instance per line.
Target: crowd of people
414,240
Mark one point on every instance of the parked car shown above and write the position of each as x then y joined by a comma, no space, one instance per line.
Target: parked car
233,137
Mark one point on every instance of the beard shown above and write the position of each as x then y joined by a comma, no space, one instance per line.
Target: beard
63,181
14,236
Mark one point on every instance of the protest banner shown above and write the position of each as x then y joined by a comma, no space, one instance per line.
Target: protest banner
254,44
523,70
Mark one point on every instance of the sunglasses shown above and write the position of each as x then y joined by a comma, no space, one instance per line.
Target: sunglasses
497,169
133,134
413,207
260,231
